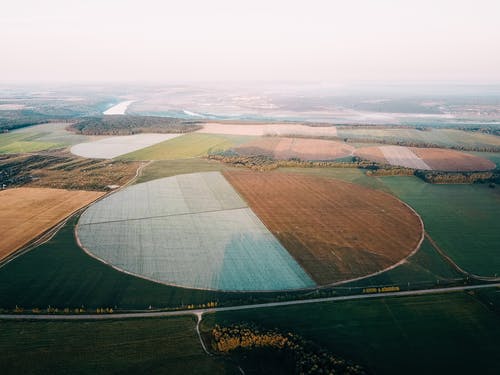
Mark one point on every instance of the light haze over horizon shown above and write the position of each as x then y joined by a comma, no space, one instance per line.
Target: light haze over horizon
223,40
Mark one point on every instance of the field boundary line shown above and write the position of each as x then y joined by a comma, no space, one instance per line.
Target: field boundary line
196,312
455,265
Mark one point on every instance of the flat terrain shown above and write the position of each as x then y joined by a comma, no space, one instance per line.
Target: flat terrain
269,129
448,138
462,219
450,160
187,146
190,230
24,142
28,212
111,147
159,346
62,170
301,148
425,158
441,334
335,230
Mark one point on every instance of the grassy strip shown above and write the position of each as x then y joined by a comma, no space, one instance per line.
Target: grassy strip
450,333
159,346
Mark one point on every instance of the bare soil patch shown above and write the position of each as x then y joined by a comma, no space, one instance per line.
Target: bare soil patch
302,148
28,212
335,230
452,161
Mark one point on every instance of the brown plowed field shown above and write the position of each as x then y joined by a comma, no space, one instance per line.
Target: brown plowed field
28,212
451,160
438,159
371,153
302,148
335,230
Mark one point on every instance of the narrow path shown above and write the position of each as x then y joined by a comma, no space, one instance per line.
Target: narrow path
158,314
448,259
199,317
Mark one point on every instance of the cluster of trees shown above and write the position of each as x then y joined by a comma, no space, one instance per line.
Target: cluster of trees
127,125
298,355
10,120
391,171
264,163
436,177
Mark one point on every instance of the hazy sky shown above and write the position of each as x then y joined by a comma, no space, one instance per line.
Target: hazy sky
218,40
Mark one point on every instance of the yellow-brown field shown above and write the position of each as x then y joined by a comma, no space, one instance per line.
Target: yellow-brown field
28,212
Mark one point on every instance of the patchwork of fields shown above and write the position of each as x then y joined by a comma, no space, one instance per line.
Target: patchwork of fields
111,147
301,148
450,138
425,158
189,230
335,230
188,146
269,130
28,212
24,142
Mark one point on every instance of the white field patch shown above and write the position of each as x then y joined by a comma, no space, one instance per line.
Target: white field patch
403,156
269,129
191,230
11,107
118,109
111,147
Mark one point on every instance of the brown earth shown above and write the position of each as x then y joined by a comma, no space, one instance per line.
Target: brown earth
335,230
451,160
28,212
302,148
372,154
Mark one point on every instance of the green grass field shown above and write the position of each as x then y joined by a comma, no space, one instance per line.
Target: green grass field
425,269
167,168
187,146
439,334
154,346
15,143
462,219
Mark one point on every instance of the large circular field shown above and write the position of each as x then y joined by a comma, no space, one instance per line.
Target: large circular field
335,230
425,158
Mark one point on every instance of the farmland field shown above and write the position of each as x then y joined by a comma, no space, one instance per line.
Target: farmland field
439,334
24,142
269,129
28,212
159,346
188,146
335,230
451,138
111,147
167,168
304,149
189,230
54,132
462,219
425,158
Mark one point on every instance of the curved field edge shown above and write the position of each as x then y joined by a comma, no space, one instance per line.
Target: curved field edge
461,219
60,274
313,218
193,231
